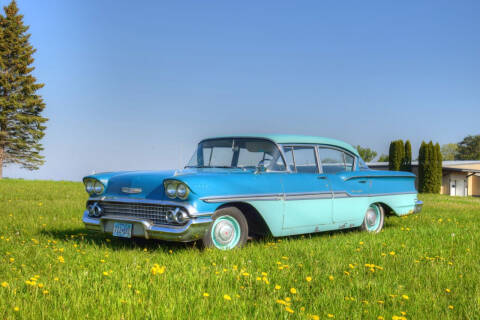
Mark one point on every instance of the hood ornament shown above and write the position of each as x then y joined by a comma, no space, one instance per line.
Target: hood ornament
131,190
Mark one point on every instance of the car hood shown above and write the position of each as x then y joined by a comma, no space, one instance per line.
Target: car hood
201,181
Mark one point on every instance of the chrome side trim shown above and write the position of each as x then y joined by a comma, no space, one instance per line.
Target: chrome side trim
296,196
345,194
309,195
243,197
379,176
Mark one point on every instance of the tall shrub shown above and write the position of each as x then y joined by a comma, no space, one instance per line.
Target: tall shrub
407,159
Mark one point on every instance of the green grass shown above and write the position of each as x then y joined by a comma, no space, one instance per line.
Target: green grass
101,277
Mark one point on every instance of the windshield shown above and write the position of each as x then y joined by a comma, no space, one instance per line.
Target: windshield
245,153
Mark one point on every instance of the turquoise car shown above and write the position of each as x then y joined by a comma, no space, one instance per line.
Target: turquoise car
236,187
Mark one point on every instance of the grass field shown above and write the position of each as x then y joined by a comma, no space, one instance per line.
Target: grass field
419,267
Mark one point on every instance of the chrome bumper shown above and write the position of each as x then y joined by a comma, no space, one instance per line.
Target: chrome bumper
418,206
193,230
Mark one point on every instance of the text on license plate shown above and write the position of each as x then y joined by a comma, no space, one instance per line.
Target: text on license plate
123,230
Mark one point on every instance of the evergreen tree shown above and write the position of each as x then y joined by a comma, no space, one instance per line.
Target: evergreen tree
421,167
21,123
391,156
438,154
396,155
407,159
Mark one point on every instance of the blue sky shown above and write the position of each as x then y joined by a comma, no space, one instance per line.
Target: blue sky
135,85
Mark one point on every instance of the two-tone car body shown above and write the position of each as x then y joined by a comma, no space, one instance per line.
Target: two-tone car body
235,187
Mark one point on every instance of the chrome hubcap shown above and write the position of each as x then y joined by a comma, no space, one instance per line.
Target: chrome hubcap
224,232
371,217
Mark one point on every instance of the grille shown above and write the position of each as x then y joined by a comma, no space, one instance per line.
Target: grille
153,212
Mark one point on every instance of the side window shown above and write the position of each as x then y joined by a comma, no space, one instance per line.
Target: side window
334,161
348,162
288,151
305,159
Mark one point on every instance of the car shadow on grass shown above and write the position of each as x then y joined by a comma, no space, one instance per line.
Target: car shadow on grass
82,236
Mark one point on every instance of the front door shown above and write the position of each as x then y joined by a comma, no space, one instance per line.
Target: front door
308,198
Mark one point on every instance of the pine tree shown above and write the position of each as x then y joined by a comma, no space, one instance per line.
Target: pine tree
21,123
407,159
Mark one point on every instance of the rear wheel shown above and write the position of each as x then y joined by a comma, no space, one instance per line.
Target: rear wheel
229,230
374,218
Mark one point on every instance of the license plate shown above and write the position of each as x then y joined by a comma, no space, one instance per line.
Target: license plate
123,230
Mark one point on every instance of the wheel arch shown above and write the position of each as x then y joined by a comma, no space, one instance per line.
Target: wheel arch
386,208
256,224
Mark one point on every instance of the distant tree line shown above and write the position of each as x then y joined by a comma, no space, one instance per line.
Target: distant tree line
467,149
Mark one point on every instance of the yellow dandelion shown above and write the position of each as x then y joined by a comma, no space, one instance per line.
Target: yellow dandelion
40,285
12,259
404,296
205,294
330,278
380,318
16,309
45,292
361,243
246,274
289,310
346,273
302,309
293,290
61,259
105,273
280,301
308,279
380,302
157,269
450,307
351,266
277,287
4,284
288,299
330,315
314,317
403,313
227,297
55,279
264,274
392,253
448,290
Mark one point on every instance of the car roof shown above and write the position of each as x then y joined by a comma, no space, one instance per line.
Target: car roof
296,139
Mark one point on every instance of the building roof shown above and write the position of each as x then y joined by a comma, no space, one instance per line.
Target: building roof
444,163
287,138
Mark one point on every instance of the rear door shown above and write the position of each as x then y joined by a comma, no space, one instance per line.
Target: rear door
308,198
350,191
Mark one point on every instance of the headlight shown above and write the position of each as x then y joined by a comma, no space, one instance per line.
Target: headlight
89,186
98,187
182,191
171,190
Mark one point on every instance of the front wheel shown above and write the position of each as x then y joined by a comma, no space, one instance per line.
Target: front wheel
229,230
374,218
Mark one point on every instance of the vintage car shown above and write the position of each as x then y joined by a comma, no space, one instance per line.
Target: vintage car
236,187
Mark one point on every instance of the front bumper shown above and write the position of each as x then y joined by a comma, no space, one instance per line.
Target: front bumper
193,230
418,206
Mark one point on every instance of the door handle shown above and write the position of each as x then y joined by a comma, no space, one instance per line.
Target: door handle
362,181
322,177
